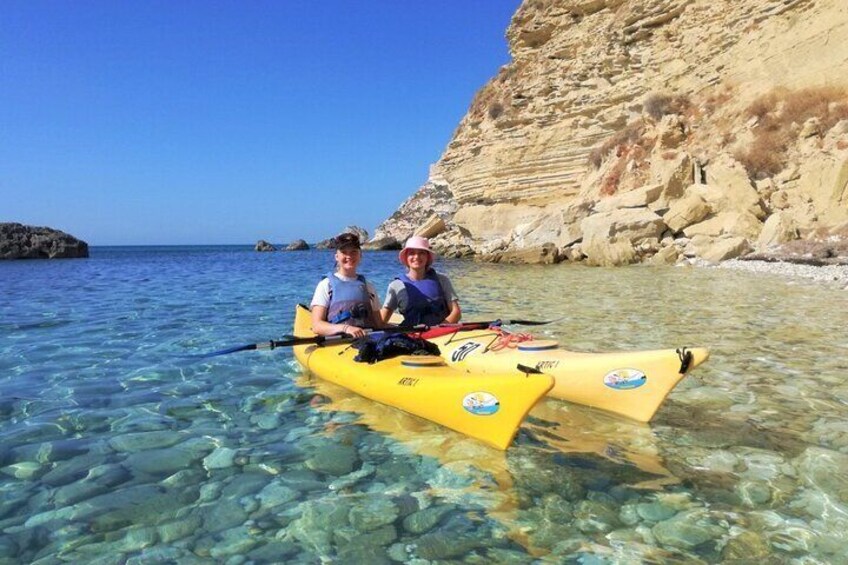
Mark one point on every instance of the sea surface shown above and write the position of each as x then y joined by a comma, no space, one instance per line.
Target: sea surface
118,446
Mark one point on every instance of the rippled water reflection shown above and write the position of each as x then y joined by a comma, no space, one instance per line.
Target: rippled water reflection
117,448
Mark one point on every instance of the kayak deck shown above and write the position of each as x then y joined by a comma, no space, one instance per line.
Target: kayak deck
489,407
632,384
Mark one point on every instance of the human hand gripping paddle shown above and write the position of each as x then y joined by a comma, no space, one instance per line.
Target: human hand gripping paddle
442,329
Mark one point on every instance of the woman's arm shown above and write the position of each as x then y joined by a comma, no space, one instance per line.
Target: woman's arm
455,312
389,305
385,314
377,319
453,300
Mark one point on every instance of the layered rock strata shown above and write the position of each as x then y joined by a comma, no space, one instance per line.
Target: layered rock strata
627,131
18,241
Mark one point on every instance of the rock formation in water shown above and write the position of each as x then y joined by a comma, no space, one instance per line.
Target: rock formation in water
626,131
330,244
297,245
264,246
18,241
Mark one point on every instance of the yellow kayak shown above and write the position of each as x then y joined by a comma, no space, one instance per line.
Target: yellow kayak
633,384
488,407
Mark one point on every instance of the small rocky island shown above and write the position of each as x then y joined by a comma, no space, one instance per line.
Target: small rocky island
18,241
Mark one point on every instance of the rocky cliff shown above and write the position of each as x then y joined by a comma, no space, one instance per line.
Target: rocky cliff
626,130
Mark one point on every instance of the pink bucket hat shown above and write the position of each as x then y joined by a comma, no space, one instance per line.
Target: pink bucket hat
417,242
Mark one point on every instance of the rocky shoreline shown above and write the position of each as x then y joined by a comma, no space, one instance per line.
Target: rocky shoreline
829,274
673,138
823,260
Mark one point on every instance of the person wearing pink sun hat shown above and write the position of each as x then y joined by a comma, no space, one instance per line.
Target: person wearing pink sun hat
421,295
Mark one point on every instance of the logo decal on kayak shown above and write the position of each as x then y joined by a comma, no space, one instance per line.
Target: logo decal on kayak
542,365
625,379
481,403
462,351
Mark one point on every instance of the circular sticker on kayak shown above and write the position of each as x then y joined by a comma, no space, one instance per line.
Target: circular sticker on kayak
623,379
481,403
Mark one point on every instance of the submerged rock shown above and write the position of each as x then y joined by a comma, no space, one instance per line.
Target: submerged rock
445,544
177,529
333,459
426,519
224,515
221,458
373,513
8,548
319,520
166,461
275,494
141,441
99,480
24,470
18,241
352,478
233,542
595,517
825,470
687,530
746,546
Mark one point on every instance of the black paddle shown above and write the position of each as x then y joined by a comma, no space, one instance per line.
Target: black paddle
291,341
476,325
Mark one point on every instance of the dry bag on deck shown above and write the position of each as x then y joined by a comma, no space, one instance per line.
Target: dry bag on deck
392,345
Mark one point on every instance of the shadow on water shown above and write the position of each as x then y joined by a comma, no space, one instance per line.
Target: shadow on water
561,453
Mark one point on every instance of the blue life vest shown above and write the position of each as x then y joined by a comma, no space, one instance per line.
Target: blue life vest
426,300
350,301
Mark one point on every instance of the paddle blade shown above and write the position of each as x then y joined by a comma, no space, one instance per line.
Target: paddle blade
532,322
527,322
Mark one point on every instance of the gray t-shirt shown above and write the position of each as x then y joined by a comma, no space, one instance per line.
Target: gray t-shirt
396,298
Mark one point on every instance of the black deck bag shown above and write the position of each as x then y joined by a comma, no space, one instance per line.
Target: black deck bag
391,345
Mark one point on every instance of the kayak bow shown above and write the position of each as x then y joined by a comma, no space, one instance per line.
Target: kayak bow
488,407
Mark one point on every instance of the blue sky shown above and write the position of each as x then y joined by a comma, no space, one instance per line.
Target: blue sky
195,122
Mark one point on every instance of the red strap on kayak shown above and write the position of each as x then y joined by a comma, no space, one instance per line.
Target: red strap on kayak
438,332
509,340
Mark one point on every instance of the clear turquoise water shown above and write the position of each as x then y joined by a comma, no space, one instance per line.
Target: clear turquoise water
116,448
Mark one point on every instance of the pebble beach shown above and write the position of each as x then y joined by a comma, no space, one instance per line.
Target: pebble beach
828,274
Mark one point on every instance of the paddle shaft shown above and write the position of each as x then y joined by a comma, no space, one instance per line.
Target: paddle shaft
312,340
342,338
